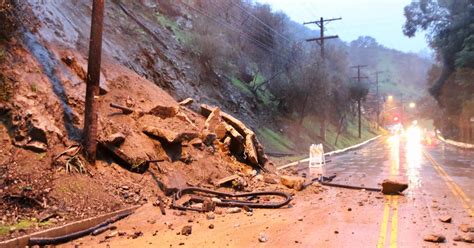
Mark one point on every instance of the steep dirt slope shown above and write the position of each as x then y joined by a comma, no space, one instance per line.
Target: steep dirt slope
43,180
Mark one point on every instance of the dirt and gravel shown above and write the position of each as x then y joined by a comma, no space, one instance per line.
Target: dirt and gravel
42,119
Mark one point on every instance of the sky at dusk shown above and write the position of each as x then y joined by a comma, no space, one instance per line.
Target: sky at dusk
381,19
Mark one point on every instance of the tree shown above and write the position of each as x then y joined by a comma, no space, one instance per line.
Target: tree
450,27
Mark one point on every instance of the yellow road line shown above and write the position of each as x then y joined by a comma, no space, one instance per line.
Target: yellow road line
394,232
383,228
455,189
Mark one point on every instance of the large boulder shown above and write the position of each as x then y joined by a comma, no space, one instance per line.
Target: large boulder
164,111
170,135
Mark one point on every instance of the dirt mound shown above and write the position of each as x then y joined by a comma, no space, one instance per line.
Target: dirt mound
43,116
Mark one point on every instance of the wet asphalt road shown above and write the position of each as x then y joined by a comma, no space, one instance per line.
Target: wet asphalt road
440,184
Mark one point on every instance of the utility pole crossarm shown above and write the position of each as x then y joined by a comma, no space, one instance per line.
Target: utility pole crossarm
323,38
319,22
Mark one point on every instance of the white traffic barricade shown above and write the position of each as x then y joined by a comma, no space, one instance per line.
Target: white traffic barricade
316,159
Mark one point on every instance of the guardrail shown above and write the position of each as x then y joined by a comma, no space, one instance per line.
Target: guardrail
331,153
456,143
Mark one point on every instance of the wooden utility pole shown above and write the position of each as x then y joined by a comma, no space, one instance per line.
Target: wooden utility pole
320,40
359,105
93,79
402,110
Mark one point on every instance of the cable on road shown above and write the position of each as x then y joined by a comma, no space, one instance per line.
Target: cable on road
42,241
229,199
326,181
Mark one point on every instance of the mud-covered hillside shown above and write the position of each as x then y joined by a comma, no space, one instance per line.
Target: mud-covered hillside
149,144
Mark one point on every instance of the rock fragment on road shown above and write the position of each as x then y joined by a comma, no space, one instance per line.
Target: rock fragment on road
262,237
445,219
187,230
466,228
392,187
435,238
233,210
293,182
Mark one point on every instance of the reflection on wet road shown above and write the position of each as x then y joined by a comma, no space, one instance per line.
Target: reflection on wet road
440,179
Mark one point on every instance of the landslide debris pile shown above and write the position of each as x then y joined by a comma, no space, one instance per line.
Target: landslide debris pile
149,143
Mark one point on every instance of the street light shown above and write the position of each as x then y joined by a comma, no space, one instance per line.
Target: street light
412,105
390,97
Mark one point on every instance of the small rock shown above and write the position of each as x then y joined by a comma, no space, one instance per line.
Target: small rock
349,209
233,210
122,233
186,101
116,139
125,187
466,228
468,238
262,237
249,213
336,232
270,179
187,230
137,234
300,219
210,216
208,205
36,146
445,219
293,182
435,238
179,213
211,226
458,238
247,209
111,235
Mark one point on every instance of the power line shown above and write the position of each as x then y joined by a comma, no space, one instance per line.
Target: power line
260,21
229,26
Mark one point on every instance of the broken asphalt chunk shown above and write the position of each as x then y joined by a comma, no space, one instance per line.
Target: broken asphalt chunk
392,187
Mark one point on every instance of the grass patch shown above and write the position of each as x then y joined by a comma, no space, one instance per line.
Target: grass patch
241,86
22,224
347,138
181,36
275,141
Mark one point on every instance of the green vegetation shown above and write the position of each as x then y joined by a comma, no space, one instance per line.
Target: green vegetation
449,26
275,142
283,143
263,96
181,36
241,86
22,224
